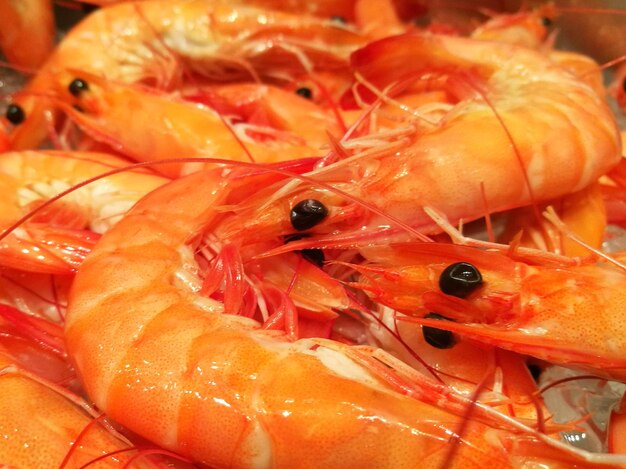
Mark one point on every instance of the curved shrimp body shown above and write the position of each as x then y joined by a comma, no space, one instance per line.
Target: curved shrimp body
116,114
567,314
548,135
523,131
55,240
38,424
162,360
214,39
26,31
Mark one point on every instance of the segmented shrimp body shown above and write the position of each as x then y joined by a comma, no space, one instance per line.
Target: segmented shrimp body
163,360
523,131
139,42
57,239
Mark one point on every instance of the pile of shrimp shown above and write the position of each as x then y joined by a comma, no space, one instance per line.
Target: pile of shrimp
297,234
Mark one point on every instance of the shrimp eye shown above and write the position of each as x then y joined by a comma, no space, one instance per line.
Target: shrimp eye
15,114
77,86
314,256
307,213
547,22
460,279
305,92
338,19
438,338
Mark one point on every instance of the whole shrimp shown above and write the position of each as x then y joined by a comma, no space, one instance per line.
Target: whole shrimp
522,131
170,127
57,239
213,39
161,359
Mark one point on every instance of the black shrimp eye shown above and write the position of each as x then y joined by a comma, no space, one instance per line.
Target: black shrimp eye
460,279
77,86
338,19
547,22
304,92
314,256
438,338
15,114
307,213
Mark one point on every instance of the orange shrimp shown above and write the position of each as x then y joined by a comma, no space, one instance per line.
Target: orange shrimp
162,360
116,114
41,424
26,31
56,240
549,135
556,309
213,39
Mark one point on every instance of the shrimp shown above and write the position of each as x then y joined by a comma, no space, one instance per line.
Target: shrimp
41,424
26,31
55,241
558,311
213,39
161,359
549,135
116,114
